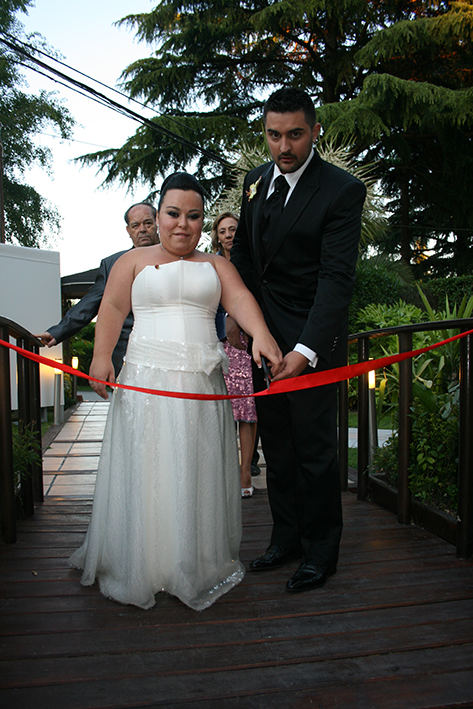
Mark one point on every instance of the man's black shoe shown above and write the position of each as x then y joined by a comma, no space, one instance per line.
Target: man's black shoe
274,557
255,470
309,576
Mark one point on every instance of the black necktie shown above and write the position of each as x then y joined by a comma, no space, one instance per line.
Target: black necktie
272,208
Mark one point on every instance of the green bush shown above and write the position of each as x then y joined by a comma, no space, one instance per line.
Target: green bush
26,450
382,315
375,283
82,346
454,288
385,460
433,472
433,469
434,372
374,317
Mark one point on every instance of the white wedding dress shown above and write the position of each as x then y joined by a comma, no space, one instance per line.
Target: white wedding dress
167,504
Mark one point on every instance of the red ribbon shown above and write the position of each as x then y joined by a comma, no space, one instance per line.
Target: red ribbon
306,381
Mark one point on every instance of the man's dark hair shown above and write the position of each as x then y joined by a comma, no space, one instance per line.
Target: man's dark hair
290,100
181,181
139,204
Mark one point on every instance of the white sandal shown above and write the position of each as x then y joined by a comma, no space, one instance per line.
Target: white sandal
247,491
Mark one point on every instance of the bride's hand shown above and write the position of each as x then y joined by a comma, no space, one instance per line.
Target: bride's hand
104,370
267,346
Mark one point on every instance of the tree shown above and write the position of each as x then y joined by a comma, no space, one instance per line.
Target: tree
414,115
393,75
215,62
28,215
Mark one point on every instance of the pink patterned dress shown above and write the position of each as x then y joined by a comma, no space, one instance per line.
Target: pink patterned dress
239,380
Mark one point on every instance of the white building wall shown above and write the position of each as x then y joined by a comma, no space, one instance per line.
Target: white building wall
30,295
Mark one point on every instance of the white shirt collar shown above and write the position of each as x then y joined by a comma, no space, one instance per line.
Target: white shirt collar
291,177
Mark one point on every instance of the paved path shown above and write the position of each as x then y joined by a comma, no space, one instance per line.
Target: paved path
70,462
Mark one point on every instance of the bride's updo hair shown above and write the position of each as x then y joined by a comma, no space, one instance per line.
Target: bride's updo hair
181,181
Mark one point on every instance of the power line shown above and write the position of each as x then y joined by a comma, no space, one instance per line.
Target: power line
71,88
81,87
100,83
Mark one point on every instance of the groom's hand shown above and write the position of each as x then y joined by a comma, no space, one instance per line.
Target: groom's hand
292,365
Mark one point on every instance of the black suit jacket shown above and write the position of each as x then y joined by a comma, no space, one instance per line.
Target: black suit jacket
305,280
87,308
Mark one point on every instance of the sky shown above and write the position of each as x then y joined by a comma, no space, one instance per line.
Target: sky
92,217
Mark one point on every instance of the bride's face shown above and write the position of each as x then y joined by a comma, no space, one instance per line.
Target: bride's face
180,221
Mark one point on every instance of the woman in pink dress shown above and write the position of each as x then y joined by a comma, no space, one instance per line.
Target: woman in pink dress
239,379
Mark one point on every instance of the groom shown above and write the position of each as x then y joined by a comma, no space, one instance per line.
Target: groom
296,248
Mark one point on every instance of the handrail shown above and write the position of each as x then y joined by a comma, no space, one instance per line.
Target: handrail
464,528
29,415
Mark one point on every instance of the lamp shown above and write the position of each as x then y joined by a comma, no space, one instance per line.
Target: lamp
373,424
74,365
372,379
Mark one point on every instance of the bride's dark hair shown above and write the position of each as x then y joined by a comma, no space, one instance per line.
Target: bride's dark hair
181,181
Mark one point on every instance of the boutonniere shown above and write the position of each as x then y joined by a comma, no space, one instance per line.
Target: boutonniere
250,193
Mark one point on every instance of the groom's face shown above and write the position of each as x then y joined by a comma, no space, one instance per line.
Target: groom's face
290,139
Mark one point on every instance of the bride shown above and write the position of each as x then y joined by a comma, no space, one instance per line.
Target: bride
166,513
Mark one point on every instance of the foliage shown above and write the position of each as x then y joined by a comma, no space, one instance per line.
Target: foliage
433,469
373,222
434,372
82,346
212,65
385,460
29,219
378,281
379,316
382,315
433,472
26,451
397,77
414,116
437,290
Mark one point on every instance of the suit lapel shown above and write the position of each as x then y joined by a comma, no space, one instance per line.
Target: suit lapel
257,210
305,189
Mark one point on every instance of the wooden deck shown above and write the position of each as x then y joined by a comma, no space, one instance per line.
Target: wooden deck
392,630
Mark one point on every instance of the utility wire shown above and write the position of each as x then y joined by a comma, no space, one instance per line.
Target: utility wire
71,88
101,98
100,83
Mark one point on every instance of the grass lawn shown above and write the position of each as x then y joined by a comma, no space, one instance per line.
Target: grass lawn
353,458
385,422
47,424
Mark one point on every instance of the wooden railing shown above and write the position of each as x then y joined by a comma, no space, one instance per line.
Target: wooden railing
463,525
29,415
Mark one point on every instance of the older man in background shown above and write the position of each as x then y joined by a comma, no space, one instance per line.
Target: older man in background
142,227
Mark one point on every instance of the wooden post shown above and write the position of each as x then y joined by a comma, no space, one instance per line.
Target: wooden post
24,421
343,433
35,416
363,421
2,203
405,430
7,488
465,455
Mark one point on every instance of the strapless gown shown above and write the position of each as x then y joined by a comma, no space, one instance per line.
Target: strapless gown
167,505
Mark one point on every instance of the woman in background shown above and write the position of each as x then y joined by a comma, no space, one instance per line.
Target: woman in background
239,379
